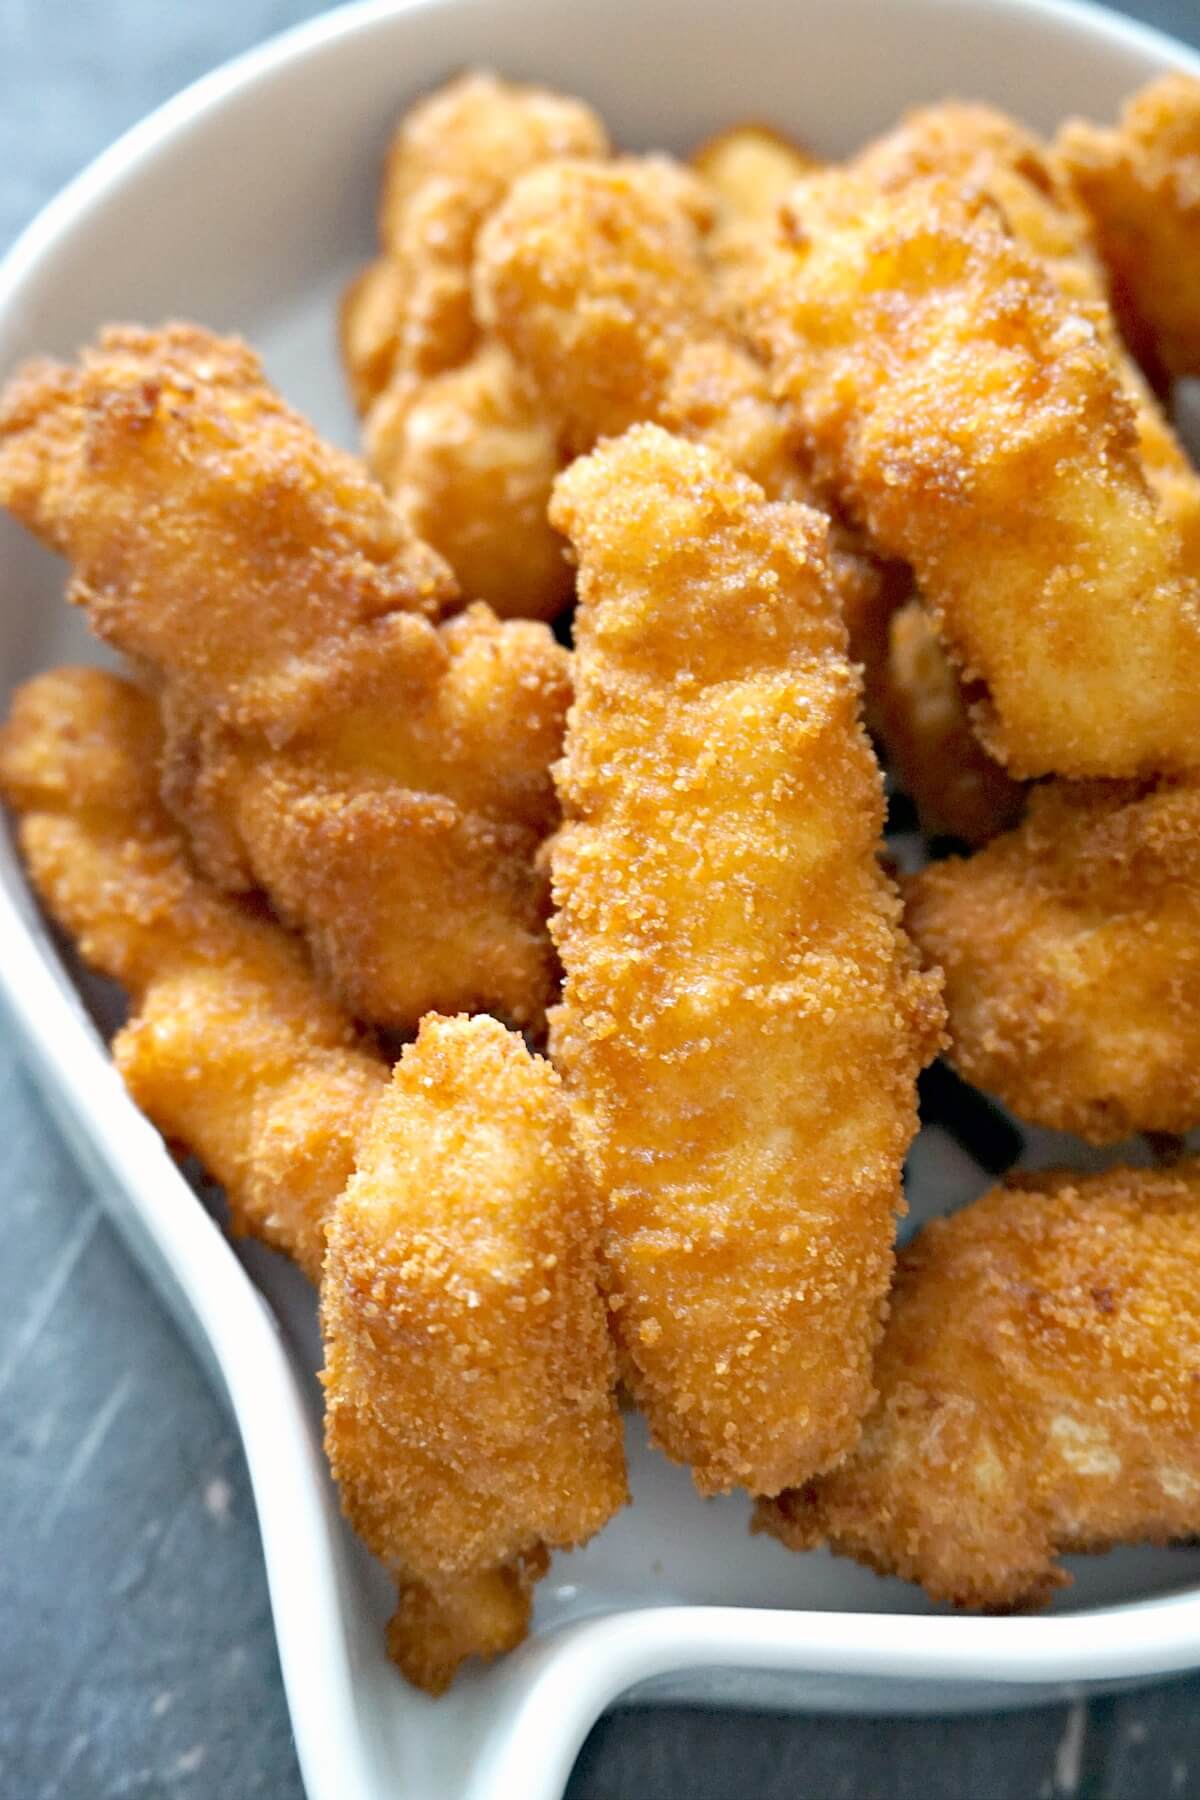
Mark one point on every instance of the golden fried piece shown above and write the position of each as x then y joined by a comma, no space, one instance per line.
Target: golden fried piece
452,160
212,534
1071,951
1037,1392
990,153
387,785
751,167
231,1048
742,1020
750,170
975,420
469,457
470,1414
1140,184
984,150
594,276
402,837
959,791
452,430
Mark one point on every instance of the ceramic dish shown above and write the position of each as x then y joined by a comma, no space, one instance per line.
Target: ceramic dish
245,203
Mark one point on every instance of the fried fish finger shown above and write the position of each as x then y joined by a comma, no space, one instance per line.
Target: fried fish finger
386,784
451,428
453,158
1037,1392
595,277
975,420
469,1376
211,533
1140,184
742,1019
402,836
1071,953
231,1048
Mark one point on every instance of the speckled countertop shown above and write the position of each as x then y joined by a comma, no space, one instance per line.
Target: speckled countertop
136,1652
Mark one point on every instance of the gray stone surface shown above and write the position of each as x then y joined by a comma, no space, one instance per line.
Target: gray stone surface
136,1653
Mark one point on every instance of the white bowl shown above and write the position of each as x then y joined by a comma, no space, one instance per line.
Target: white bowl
245,203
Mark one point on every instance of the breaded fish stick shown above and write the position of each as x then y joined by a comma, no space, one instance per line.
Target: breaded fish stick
452,159
211,533
233,1051
402,835
742,1020
469,1379
975,420
1071,953
595,277
1037,1392
386,784
231,1048
1140,184
451,428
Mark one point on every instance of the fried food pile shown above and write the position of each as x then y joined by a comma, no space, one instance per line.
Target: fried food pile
550,997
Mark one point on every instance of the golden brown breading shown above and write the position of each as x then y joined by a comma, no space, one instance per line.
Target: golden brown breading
469,457
231,1048
452,430
959,791
386,784
402,836
470,1414
212,533
1140,184
981,149
988,152
594,276
452,160
974,418
1071,951
751,167
1037,1392
742,1020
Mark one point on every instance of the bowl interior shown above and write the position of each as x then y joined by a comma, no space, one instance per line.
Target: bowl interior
248,207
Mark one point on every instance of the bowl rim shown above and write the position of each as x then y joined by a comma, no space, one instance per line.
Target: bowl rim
563,1680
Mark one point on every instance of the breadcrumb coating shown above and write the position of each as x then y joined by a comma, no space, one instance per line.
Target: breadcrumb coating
594,276
742,1020
231,1048
469,457
385,783
402,837
210,530
1140,184
975,419
1071,954
1038,1392
451,429
454,156
470,1413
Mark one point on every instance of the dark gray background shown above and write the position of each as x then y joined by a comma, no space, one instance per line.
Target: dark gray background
136,1653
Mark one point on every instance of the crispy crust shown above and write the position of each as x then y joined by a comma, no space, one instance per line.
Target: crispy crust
470,1414
1037,1392
1071,954
742,1021
231,1048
